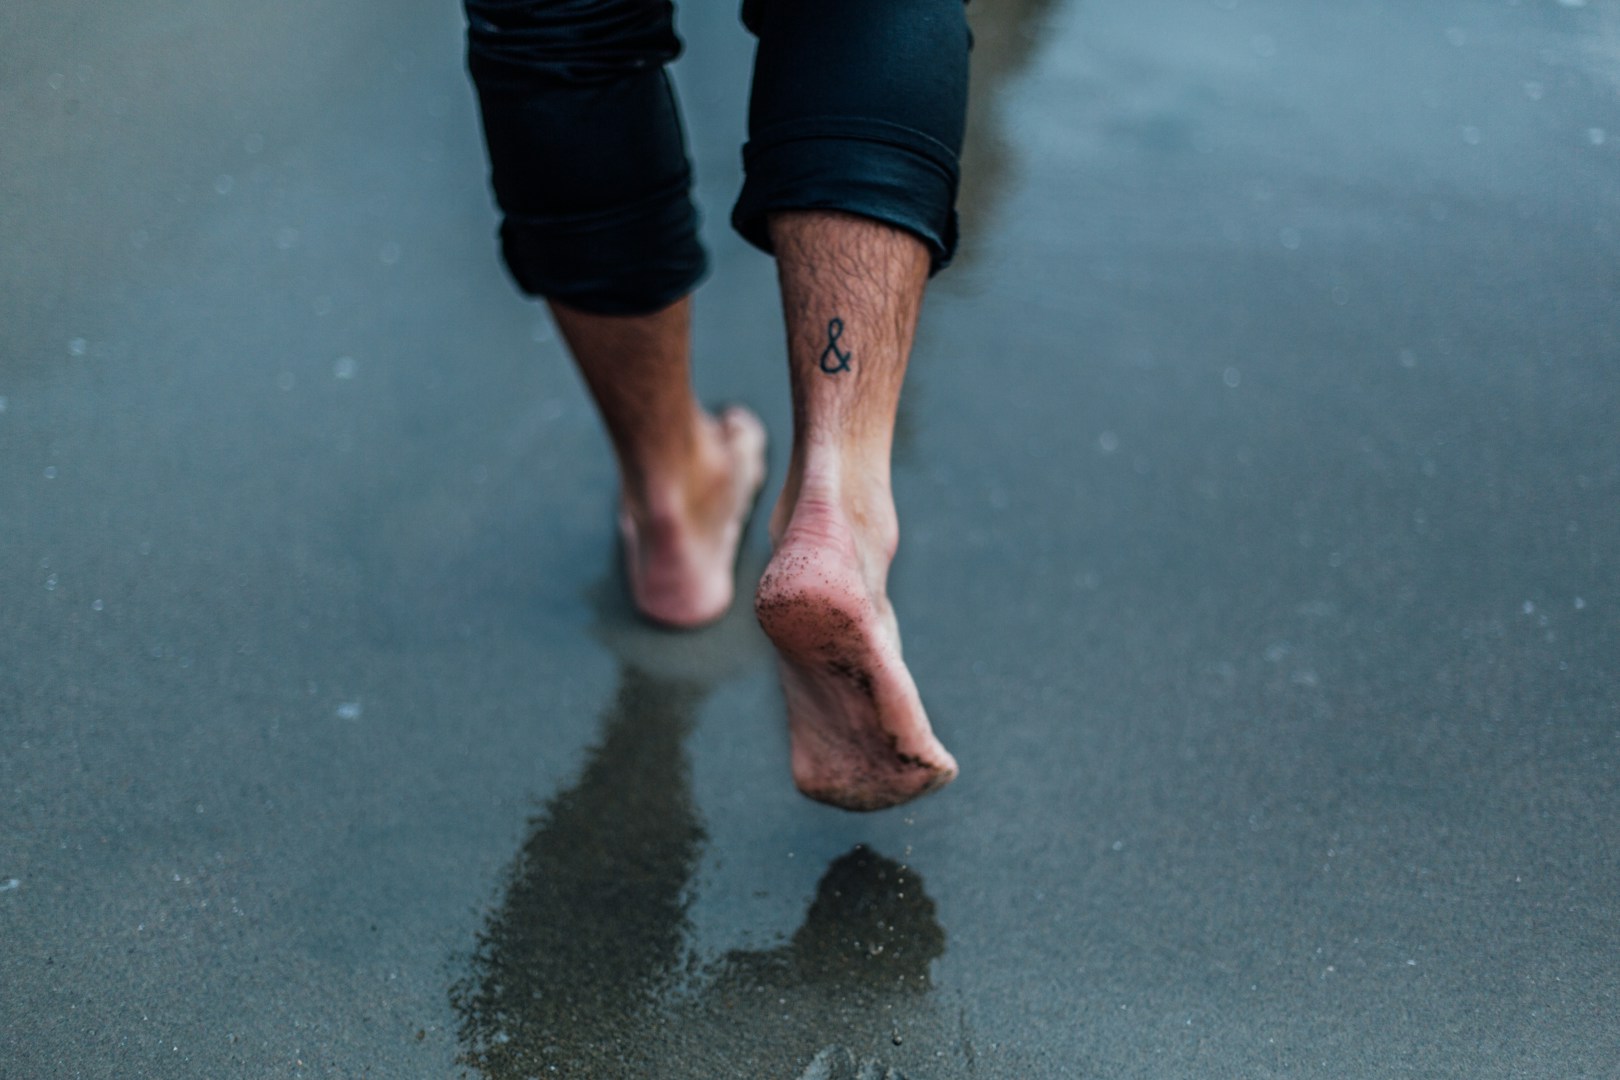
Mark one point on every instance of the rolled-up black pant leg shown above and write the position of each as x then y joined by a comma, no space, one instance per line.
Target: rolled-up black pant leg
587,157
858,105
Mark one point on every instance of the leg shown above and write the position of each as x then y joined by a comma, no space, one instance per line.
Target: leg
855,126
688,479
589,167
851,292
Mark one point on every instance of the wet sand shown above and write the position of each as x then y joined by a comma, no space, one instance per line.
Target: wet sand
1260,499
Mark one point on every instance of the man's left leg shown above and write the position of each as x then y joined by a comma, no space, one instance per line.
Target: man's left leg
588,163
687,479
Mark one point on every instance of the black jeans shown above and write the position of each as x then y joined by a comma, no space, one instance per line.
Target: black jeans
857,105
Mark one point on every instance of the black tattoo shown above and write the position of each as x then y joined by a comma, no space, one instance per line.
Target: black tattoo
834,359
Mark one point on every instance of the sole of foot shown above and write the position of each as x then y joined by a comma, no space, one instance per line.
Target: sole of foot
860,737
683,576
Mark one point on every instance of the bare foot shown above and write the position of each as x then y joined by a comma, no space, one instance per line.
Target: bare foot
680,545
860,737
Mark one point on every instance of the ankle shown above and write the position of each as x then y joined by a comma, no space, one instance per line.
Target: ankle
856,499
680,483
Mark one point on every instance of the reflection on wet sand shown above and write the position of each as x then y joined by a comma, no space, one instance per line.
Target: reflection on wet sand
590,930
583,969
847,996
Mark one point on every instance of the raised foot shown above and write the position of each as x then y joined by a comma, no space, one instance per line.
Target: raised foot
681,561
860,738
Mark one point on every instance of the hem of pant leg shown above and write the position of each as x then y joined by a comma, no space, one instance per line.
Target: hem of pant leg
622,262
626,307
880,181
627,285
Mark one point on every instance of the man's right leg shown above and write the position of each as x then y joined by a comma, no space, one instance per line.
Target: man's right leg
851,293
855,127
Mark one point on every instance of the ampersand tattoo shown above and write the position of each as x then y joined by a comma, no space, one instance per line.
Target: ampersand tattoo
834,359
